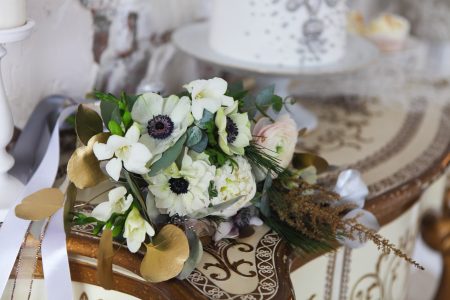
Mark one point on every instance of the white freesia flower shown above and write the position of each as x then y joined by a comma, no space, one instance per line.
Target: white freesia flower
135,230
163,121
126,151
233,182
233,129
183,191
209,95
117,203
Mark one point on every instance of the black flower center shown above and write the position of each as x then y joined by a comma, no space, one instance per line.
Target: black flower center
179,185
160,127
232,131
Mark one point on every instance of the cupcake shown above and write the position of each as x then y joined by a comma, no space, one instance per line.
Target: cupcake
389,32
356,23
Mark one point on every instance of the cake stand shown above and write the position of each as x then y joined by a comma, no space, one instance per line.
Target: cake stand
193,40
10,187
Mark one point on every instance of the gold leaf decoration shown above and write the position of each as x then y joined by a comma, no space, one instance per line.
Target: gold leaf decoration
87,123
305,160
105,260
40,205
71,197
166,256
83,168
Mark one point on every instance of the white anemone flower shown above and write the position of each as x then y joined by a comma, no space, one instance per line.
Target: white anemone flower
233,182
124,151
183,191
163,121
135,230
233,129
209,95
117,203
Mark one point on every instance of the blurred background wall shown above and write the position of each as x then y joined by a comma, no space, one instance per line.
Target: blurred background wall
115,45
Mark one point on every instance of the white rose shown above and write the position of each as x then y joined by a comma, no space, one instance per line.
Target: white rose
233,182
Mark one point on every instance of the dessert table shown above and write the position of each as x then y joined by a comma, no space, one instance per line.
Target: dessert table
402,153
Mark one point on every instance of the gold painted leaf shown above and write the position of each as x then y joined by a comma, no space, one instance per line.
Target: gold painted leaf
105,261
87,123
71,197
166,256
305,160
83,168
302,132
40,205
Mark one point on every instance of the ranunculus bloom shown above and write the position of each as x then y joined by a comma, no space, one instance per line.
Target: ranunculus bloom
279,138
209,95
233,182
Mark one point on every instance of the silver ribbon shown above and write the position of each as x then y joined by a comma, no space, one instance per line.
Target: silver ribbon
13,231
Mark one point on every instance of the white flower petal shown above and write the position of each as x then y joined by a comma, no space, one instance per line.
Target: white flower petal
113,168
197,110
133,134
146,107
116,142
227,101
181,110
351,188
117,193
210,104
365,218
218,85
133,244
102,151
102,211
223,230
255,221
169,104
149,229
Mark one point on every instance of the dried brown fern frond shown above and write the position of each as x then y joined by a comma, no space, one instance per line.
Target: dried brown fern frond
310,210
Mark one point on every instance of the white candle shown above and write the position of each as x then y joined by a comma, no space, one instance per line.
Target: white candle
13,13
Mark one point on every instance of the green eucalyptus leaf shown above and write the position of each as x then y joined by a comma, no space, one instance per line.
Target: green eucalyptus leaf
195,254
236,90
204,212
115,128
109,111
277,103
200,147
87,123
264,205
71,197
168,157
206,119
264,98
131,100
194,136
249,106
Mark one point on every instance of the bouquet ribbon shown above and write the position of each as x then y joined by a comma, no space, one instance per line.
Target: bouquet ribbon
54,249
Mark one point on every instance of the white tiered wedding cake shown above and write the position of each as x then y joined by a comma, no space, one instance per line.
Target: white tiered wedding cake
285,33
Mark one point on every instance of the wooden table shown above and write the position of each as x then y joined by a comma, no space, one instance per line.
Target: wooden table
400,151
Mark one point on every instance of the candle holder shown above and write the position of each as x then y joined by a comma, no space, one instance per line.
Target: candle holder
10,187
